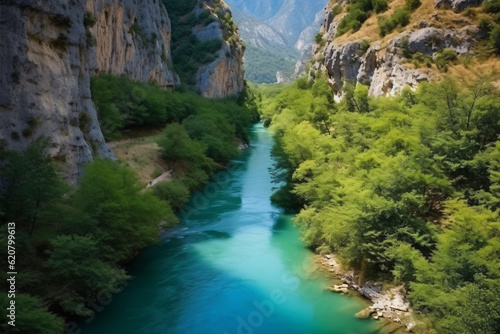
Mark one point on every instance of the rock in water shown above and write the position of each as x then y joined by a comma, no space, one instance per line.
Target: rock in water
365,314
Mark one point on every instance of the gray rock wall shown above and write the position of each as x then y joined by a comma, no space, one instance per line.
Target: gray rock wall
45,84
132,38
384,70
47,61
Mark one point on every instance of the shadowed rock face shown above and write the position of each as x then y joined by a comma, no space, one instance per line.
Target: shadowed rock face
225,75
457,5
47,58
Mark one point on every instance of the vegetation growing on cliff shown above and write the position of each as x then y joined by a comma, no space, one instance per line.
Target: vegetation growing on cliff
188,52
358,12
202,134
403,188
400,17
405,15
493,7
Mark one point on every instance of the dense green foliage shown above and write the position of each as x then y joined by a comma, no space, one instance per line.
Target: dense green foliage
31,316
495,38
404,188
71,242
358,12
444,57
491,25
202,134
207,139
492,6
412,4
400,17
124,103
175,192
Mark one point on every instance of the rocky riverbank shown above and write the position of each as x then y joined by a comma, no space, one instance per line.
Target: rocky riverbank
390,304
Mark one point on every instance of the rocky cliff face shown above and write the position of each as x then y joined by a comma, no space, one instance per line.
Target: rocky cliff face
49,49
384,66
45,81
132,37
225,75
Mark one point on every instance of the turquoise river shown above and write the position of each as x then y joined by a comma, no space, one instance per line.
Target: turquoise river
234,265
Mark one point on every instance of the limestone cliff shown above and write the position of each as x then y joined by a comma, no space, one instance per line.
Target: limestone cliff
49,50
132,37
387,64
223,76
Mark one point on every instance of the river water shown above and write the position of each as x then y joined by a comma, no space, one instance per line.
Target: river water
235,265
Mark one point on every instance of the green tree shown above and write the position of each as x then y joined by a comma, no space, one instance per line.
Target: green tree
214,130
31,186
495,39
404,192
457,286
349,98
75,265
361,96
178,147
127,219
174,192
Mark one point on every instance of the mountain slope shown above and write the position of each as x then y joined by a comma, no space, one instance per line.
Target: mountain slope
267,51
267,25
294,16
261,9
